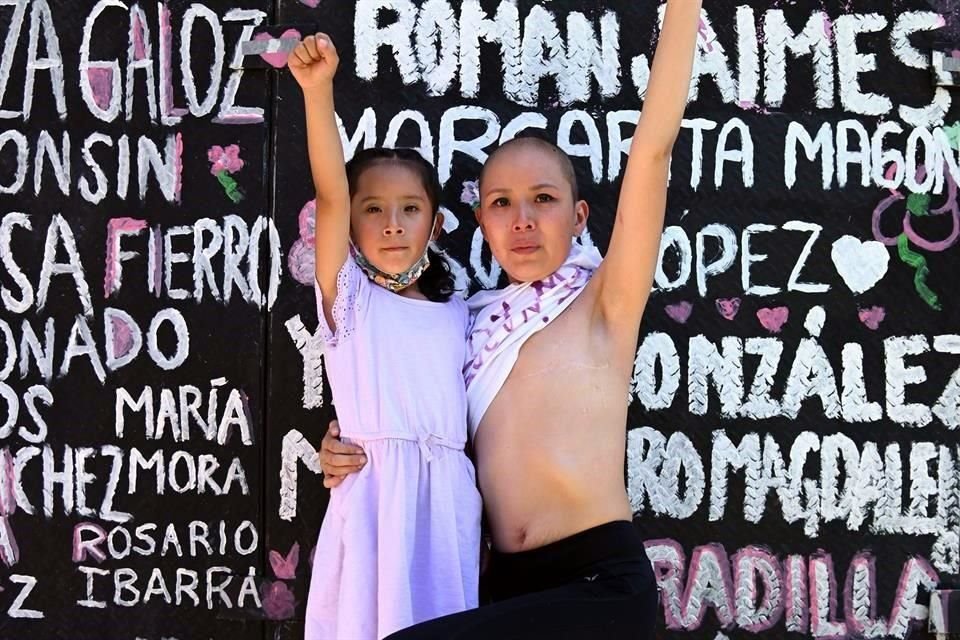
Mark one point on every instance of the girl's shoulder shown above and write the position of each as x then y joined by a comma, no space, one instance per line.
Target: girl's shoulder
454,306
457,302
458,305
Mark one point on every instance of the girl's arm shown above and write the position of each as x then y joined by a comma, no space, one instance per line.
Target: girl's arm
626,276
313,64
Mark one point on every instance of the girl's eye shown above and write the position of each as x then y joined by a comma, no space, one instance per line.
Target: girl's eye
500,202
373,209
412,208
545,197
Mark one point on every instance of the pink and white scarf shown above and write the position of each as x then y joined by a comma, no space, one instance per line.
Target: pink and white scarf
504,319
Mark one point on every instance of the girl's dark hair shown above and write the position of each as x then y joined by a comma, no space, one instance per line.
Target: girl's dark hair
436,283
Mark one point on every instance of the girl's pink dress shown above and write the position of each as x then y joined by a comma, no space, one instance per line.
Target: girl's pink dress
400,540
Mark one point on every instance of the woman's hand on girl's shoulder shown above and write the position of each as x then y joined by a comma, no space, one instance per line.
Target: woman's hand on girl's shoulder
338,459
314,61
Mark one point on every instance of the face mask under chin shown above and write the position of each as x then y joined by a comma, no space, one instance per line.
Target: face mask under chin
392,281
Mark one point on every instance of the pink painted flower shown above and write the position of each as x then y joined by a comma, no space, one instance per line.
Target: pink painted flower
471,193
224,159
307,222
278,600
300,262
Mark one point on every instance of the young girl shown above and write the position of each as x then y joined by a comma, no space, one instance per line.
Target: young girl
400,539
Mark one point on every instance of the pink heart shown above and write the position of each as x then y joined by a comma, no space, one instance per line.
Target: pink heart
285,567
773,319
872,317
728,307
679,312
278,59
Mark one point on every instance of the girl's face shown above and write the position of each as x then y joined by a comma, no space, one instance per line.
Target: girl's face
391,218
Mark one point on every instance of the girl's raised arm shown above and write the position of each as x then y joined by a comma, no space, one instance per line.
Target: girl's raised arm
314,63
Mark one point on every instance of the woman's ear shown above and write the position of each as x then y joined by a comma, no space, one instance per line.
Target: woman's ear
437,225
582,212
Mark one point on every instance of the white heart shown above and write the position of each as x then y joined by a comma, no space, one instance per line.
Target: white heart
861,264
